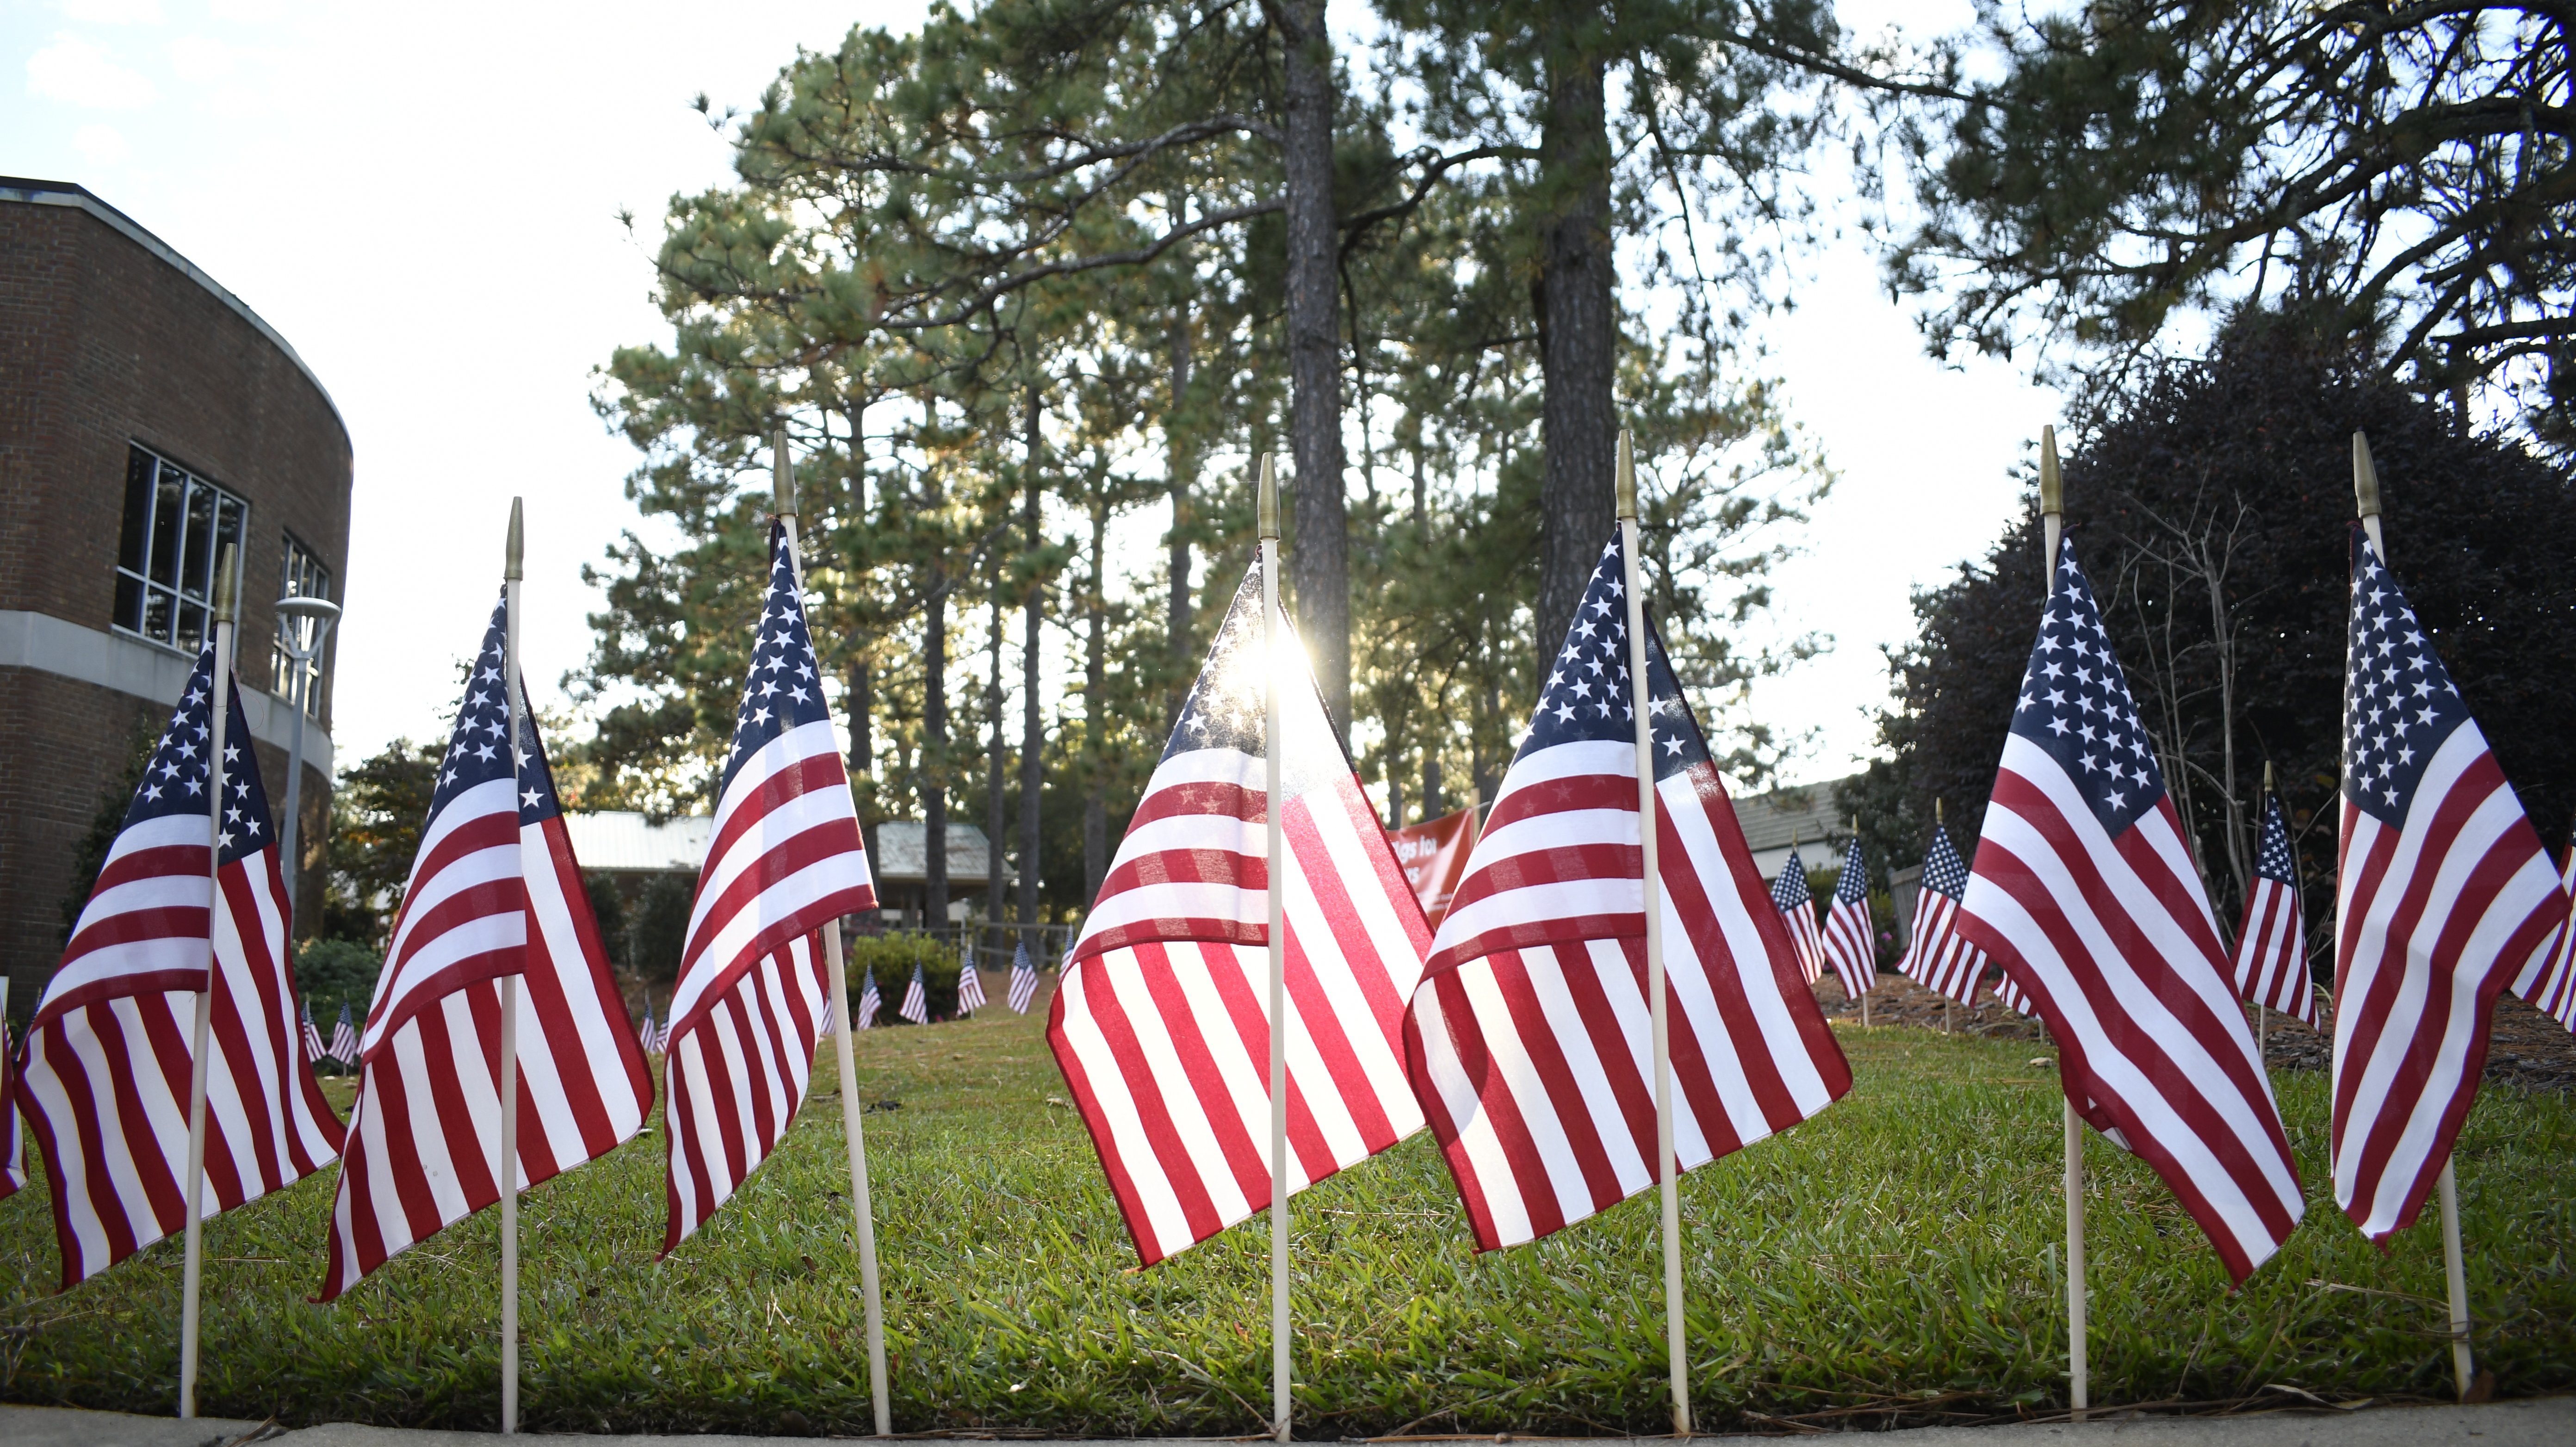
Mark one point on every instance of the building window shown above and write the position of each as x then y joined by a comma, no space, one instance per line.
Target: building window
176,524
305,577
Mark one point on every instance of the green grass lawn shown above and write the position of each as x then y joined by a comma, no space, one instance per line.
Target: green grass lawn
1896,1258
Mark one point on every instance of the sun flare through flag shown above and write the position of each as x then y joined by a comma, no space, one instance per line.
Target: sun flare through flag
2272,942
1848,945
1528,1038
783,859
1161,1018
2443,897
1937,957
1797,906
104,1078
494,891
2084,891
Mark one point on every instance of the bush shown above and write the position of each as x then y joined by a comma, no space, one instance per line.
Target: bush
332,972
892,957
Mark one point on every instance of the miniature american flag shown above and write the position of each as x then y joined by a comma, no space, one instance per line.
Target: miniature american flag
2553,987
1024,979
2272,943
494,892
313,1050
1848,946
1161,1019
13,1134
1937,957
970,983
1796,903
783,859
2444,896
916,999
647,1035
104,1081
2084,891
870,1002
1529,1039
344,1038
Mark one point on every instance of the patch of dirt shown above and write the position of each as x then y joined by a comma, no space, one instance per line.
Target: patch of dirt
1899,1001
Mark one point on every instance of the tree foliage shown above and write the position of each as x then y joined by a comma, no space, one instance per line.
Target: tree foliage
2212,508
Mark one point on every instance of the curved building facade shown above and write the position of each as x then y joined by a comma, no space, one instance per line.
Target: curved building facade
147,418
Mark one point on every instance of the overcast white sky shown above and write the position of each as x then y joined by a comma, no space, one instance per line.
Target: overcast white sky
423,203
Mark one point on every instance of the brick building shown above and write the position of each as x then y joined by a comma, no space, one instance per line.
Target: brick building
146,417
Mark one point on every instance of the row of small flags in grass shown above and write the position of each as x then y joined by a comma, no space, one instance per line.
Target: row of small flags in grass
656,1040
1256,1000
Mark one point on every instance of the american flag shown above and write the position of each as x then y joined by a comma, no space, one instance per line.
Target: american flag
495,891
1024,979
2272,943
1161,1020
916,999
1848,946
1797,907
783,860
870,1002
2084,892
104,1080
2552,987
1937,957
1529,1036
13,1136
344,1038
647,1035
2443,896
970,984
313,1050
2014,1000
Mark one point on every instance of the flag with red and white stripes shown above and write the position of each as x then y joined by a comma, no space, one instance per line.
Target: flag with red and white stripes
1161,1020
2084,891
1796,903
783,859
970,984
13,1135
1936,956
2552,988
916,999
2272,943
1024,979
648,1036
870,1002
1848,946
1529,1036
2443,897
495,893
313,1048
344,1039
104,1080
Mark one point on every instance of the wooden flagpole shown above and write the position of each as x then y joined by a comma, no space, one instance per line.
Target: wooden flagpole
1641,696
505,1162
782,484
2052,510
2365,491
1272,745
192,1265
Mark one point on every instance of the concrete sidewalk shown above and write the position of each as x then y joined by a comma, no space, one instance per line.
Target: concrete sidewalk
2546,1422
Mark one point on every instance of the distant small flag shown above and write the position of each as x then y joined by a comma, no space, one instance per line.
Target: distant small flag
916,999
1024,979
2272,943
2552,987
870,1002
1936,957
344,1038
831,1017
2014,1000
648,1035
1848,947
13,1136
1798,911
313,1050
970,984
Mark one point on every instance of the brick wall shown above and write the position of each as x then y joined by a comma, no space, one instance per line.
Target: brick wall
104,344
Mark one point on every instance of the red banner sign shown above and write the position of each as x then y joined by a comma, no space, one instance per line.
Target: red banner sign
1433,856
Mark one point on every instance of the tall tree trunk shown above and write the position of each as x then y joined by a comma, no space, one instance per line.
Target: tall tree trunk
1095,707
862,674
1578,332
1032,727
1432,807
1180,468
1318,564
934,717
996,897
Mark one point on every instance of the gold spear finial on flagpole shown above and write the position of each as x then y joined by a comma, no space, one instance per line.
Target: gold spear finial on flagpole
782,474
227,592
2052,493
1627,475
1937,820
2365,491
2267,776
1269,507
514,553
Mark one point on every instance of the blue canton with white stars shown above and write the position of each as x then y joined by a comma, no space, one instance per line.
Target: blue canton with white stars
1853,887
1944,872
476,747
1790,891
174,782
2398,702
2273,860
1586,696
2075,703
785,688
